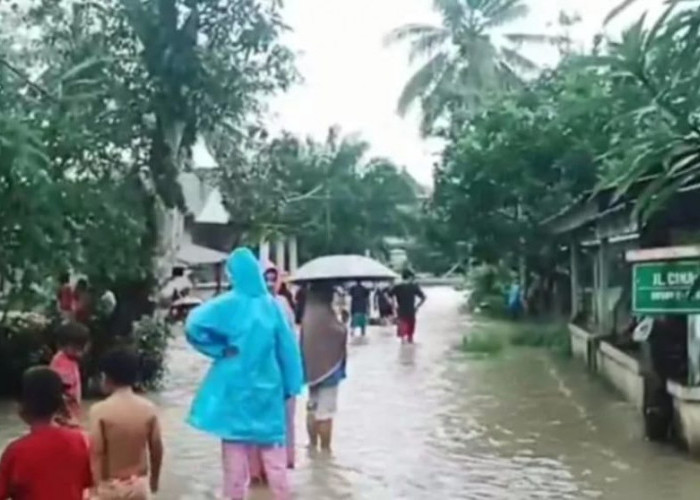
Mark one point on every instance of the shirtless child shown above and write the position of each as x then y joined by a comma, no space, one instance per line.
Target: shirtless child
125,440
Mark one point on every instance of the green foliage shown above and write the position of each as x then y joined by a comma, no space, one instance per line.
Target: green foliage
328,194
657,65
518,161
480,343
99,107
487,285
493,335
625,112
25,340
554,337
151,337
100,135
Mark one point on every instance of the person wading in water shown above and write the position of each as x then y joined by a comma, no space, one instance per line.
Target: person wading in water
255,368
273,281
359,308
409,298
324,351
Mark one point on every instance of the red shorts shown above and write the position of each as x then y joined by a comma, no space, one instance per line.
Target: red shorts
406,328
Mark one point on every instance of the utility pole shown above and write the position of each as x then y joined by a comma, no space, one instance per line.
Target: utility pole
328,217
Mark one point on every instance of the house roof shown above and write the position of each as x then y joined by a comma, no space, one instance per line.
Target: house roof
193,255
201,157
213,211
592,205
193,191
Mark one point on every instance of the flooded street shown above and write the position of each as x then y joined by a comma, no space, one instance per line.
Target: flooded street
427,422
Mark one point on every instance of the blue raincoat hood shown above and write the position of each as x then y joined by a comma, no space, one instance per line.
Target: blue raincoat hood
256,361
245,273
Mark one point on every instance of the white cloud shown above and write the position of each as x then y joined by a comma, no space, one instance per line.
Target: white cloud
352,80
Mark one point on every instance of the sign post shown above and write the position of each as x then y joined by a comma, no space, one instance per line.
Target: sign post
666,287
666,281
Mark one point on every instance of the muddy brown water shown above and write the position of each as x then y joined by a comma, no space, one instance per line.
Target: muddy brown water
426,422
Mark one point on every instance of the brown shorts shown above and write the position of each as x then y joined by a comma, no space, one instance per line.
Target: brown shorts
135,488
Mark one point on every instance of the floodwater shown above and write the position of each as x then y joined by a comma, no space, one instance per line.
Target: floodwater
426,422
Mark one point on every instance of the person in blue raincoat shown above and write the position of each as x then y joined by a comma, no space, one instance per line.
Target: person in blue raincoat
515,300
256,367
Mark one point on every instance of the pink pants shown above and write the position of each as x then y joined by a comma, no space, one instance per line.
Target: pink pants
254,457
237,470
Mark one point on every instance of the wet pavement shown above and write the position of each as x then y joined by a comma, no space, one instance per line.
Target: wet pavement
427,422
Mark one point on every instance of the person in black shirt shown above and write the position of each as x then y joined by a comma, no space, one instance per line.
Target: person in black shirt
359,308
384,304
299,304
409,298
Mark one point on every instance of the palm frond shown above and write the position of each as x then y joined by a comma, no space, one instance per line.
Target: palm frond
660,23
453,10
501,12
533,38
426,45
508,76
518,61
413,30
421,82
79,69
651,201
618,10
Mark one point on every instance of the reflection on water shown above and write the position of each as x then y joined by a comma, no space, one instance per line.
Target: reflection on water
422,422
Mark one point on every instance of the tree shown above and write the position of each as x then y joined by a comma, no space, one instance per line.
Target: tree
99,105
143,81
657,64
326,193
466,58
520,160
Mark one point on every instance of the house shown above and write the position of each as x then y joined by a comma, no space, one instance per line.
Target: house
201,236
629,274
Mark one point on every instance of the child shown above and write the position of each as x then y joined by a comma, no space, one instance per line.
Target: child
51,462
125,440
72,339
64,296
255,368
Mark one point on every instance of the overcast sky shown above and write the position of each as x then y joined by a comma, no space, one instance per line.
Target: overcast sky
352,80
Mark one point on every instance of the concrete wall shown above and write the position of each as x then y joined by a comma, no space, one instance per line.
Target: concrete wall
619,369
622,371
686,406
580,341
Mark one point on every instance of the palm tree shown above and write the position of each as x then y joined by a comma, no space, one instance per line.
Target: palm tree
465,56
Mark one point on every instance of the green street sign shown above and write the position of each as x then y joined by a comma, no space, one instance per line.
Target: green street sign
664,287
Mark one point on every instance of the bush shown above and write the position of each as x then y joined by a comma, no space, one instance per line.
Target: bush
26,339
553,337
151,338
481,344
487,286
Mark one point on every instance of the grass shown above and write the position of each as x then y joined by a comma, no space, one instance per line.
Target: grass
481,344
554,337
492,336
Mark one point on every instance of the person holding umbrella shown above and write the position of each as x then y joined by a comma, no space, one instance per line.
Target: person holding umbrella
324,353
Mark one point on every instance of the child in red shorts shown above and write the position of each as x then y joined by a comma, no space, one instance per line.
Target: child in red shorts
50,462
